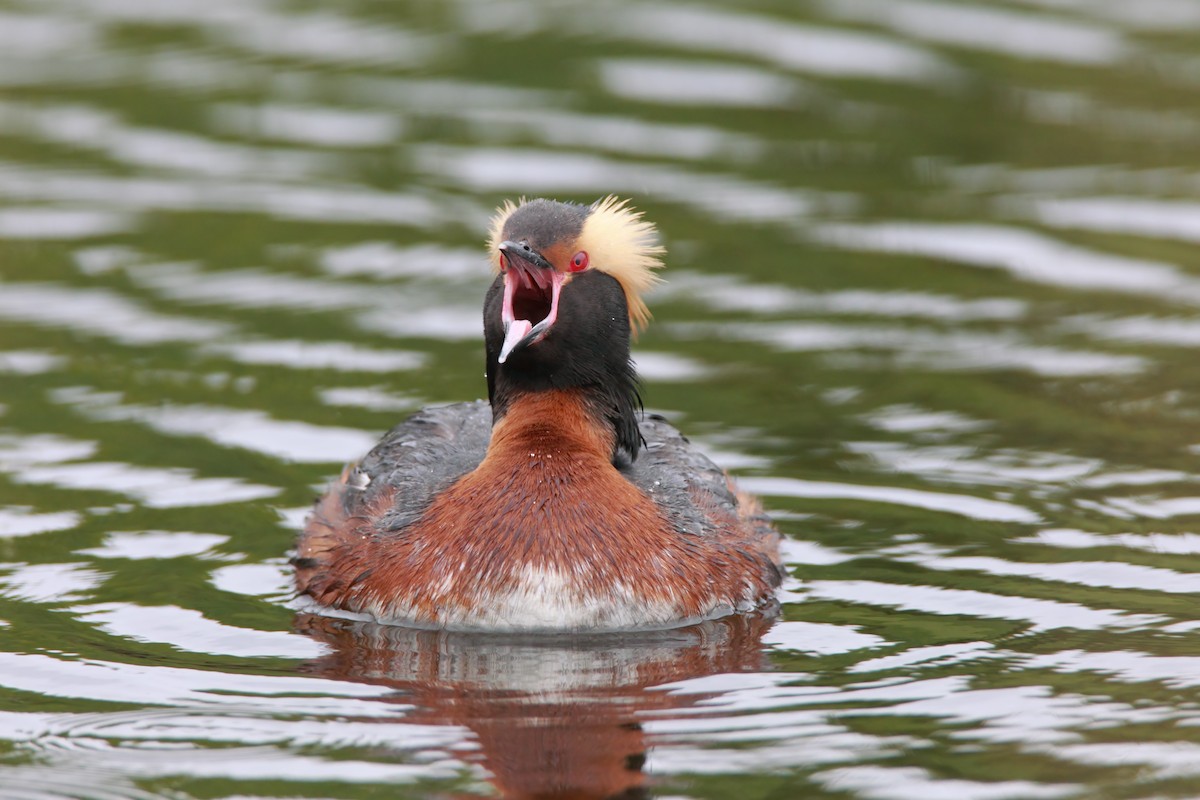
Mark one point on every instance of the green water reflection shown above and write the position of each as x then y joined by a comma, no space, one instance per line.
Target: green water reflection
933,292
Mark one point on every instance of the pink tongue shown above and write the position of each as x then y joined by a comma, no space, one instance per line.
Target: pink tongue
518,329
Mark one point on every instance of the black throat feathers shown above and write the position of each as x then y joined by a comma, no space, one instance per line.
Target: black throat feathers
587,348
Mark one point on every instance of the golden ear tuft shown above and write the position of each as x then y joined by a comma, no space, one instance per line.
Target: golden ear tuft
622,244
495,235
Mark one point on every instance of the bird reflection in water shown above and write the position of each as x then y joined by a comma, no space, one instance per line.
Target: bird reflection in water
554,716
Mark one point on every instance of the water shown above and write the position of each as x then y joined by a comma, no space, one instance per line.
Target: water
933,293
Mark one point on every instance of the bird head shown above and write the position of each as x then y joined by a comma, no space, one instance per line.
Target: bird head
549,255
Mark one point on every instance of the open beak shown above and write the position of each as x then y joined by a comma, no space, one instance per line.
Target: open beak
531,290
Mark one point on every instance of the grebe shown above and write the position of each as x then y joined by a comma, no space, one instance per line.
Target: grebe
555,508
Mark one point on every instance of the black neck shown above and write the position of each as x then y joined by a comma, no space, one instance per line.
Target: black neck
586,350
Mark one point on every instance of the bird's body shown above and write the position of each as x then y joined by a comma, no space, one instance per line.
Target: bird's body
555,508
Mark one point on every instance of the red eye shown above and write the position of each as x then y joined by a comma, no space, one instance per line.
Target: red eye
579,262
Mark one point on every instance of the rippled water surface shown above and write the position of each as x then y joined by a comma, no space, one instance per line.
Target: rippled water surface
934,294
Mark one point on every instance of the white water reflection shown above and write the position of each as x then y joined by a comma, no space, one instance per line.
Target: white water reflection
250,764
1013,33
449,321
527,170
627,135
339,356
698,83
149,12
148,727
1140,216
814,637
371,398
273,580
1040,614
1178,544
319,126
929,657
669,367
911,419
926,348
141,545
1165,760
766,693
804,48
974,507
49,583
904,783
88,128
51,460
29,362
1137,477
34,34
19,451
819,747
1153,15
1032,714
189,630
1155,507
805,552
250,288
288,440
1168,331
386,260
329,37
166,487
62,223
734,293
1051,181
962,464
114,682
1100,574
16,521
402,311
307,203
104,258
1024,254
1123,665
99,312
1064,108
